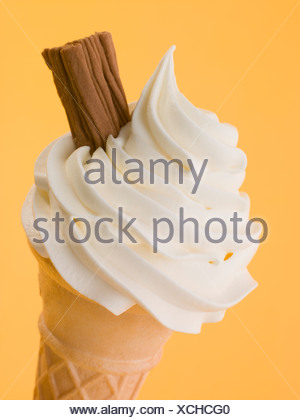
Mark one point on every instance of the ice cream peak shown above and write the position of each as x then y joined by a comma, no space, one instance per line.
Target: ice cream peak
186,283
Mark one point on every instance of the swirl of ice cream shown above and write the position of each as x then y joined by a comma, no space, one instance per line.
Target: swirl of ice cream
187,282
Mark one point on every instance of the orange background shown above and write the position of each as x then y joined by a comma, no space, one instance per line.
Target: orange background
240,59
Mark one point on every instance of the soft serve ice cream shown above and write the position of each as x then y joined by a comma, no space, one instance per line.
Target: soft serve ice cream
187,282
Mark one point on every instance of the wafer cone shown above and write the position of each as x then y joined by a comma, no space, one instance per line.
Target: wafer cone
86,351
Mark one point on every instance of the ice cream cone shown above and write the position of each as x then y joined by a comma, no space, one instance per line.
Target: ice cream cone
86,351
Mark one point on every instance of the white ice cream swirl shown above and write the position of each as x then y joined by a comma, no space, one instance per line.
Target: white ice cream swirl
184,284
